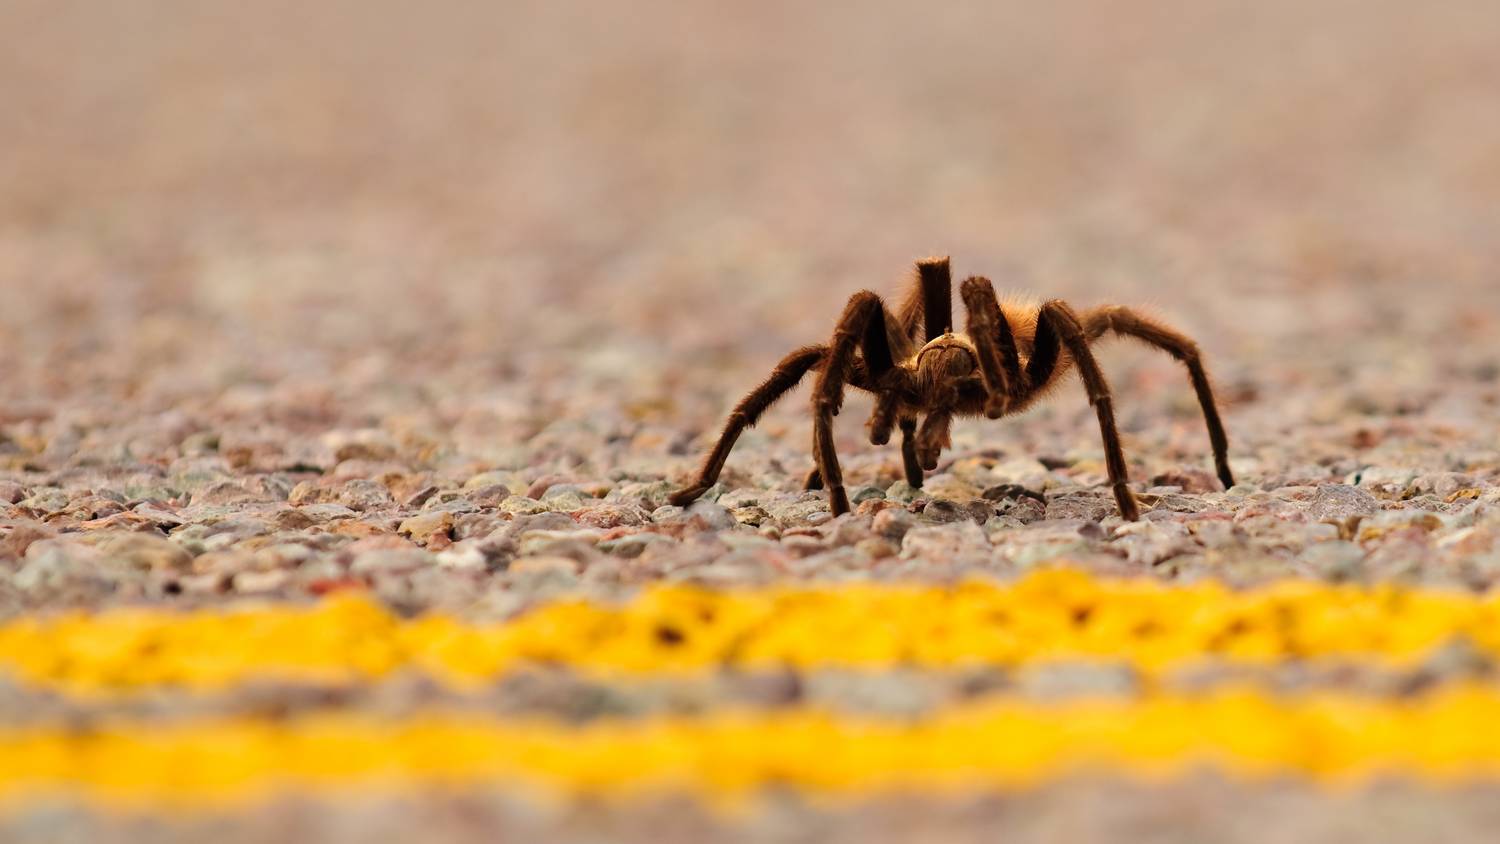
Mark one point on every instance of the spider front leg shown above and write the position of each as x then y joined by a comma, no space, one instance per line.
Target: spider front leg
933,438
880,434
882,419
999,364
1057,324
787,374
814,479
863,323
909,460
928,306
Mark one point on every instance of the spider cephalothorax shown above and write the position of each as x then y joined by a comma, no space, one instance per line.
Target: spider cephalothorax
918,368
941,366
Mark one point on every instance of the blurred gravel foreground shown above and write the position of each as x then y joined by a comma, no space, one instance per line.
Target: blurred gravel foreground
433,307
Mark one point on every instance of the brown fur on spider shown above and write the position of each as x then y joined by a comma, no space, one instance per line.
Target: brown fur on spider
919,368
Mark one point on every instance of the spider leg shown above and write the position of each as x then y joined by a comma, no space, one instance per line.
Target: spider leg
1045,349
933,437
883,417
867,373
937,297
999,364
814,479
864,322
1127,322
930,301
909,459
787,374
1057,324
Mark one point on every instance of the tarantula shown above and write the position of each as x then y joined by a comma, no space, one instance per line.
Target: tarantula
916,366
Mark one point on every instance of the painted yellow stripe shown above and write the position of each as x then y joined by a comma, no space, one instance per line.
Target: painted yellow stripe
1048,616
1447,736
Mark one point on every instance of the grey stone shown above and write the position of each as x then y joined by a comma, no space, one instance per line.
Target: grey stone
418,498
669,514
538,542
903,492
560,490
565,502
711,515
632,545
490,495
753,516
45,501
941,510
391,560
960,540
1335,559
1340,501
422,528
148,552
743,497
361,494
798,509
647,495
521,505
605,515
893,523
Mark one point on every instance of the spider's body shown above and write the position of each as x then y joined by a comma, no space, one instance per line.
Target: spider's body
919,369
943,372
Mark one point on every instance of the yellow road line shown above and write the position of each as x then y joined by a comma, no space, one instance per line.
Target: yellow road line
1048,616
1444,737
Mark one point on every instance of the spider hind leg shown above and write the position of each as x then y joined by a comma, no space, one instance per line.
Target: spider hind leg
1127,322
783,378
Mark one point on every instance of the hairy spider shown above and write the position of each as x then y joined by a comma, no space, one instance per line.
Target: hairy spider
916,366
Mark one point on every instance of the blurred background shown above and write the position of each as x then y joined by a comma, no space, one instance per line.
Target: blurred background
489,185
400,256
